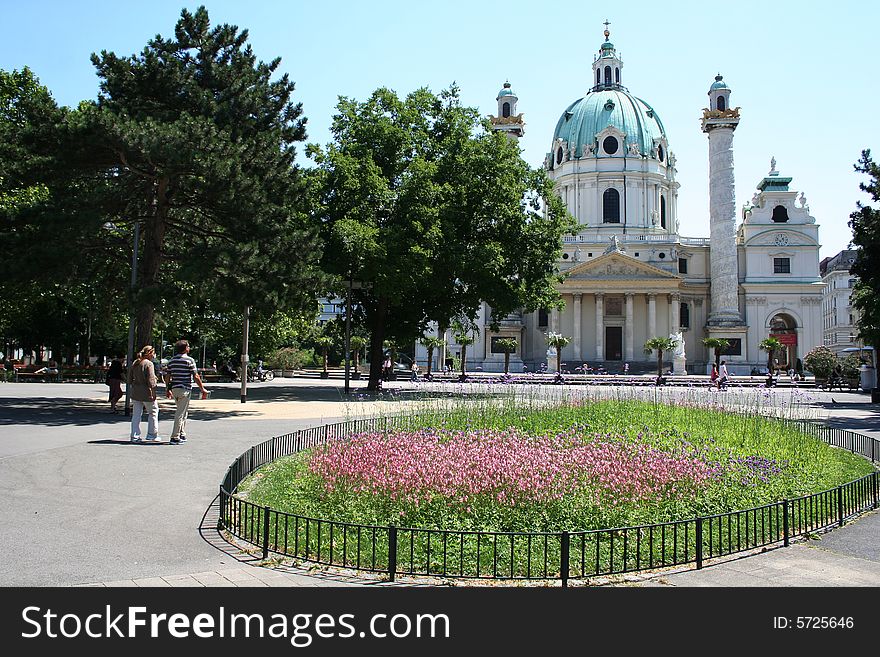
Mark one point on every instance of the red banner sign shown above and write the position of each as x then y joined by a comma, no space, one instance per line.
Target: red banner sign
786,338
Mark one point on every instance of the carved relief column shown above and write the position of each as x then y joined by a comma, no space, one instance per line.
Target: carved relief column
576,339
600,326
628,327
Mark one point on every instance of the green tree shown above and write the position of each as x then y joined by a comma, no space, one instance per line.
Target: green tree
558,341
771,346
661,345
865,224
717,345
437,211
508,346
431,343
200,140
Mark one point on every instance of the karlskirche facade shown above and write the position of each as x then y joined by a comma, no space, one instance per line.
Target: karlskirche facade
630,275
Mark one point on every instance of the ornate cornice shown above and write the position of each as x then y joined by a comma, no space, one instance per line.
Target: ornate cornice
507,120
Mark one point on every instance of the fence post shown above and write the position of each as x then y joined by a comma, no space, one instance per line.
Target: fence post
840,506
265,532
699,543
785,522
274,444
874,480
563,558
222,501
252,459
392,552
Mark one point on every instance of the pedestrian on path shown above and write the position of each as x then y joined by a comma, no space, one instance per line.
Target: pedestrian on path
114,380
142,383
179,376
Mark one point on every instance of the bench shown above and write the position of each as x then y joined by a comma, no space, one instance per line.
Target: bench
25,375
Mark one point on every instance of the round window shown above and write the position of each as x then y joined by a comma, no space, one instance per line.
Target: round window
565,256
662,255
609,145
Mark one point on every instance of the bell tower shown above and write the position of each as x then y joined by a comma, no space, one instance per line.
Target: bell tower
508,121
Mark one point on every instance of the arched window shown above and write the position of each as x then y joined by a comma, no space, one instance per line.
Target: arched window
780,214
660,153
505,110
598,76
662,211
721,107
611,206
559,155
617,75
607,75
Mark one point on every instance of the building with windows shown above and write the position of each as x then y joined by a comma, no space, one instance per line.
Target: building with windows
630,274
839,318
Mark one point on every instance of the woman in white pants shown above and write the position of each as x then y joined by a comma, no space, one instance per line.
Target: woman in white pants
142,381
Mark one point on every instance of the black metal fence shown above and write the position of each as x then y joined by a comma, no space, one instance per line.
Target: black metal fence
530,555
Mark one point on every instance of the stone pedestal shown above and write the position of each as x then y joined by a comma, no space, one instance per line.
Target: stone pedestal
679,366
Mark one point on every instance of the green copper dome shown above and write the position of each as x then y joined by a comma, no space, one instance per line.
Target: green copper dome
718,84
506,91
585,118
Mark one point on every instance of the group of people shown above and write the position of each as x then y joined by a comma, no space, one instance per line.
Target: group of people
143,382
719,376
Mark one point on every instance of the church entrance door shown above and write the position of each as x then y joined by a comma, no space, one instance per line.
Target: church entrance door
613,343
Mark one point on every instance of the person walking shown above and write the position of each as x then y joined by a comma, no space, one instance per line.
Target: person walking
723,376
142,382
114,380
713,378
179,376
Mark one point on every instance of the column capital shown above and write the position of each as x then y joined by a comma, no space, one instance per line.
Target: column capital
651,295
629,295
599,295
577,295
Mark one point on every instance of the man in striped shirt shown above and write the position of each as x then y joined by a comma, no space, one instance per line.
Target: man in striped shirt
179,375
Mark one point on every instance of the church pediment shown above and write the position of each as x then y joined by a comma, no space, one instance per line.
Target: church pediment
617,266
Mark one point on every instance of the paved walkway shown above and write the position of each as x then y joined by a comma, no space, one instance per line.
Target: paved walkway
85,507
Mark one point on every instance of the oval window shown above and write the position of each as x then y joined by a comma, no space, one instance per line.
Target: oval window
609,145
559,156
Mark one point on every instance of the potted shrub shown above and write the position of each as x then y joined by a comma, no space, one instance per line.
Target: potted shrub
324,342
821,361
558,341
717,345
464,339
661,344
356,343
508,346
431,343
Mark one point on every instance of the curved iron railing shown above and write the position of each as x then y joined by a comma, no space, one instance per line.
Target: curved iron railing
530,555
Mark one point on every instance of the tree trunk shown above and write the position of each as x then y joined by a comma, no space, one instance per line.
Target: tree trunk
430,358
357,361
463,361
377,338
155,228
506,363
325,360
659,363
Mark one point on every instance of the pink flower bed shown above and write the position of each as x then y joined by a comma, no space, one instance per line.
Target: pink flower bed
507,466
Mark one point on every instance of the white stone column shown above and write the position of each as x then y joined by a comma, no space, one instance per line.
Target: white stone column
576,338
674,312
554,320
600,326
628,328
652,321
724,309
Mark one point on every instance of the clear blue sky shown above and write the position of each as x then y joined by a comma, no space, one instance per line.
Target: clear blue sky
804,73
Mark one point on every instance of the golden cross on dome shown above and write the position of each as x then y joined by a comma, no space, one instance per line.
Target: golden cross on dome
607,33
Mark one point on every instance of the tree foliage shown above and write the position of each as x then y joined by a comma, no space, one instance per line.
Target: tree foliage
436,211
865,224
194,139
661,345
